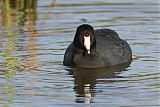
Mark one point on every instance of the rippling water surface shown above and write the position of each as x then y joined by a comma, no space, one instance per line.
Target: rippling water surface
33,39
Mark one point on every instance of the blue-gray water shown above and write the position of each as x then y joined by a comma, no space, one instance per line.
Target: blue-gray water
33,42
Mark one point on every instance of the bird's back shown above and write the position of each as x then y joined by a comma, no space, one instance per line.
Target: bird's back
111,48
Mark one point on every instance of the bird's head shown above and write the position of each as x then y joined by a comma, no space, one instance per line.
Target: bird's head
85,38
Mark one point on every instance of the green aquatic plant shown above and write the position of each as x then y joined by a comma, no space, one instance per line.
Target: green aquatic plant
5,105
11,61
10,92
15,13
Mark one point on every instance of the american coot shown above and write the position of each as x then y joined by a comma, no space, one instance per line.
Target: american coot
94,49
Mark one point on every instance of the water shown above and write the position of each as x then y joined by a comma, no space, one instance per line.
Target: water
33,40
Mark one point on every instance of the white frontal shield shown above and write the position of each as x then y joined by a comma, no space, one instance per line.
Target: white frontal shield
87,43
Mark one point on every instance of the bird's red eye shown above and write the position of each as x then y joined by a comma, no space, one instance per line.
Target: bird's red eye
92,36
81,36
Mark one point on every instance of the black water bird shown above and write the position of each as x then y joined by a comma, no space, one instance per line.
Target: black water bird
96,48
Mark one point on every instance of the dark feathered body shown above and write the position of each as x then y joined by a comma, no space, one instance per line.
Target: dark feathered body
109,50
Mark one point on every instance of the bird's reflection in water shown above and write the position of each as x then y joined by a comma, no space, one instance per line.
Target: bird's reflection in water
86,80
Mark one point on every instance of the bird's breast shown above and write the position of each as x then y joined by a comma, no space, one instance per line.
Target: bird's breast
88,61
